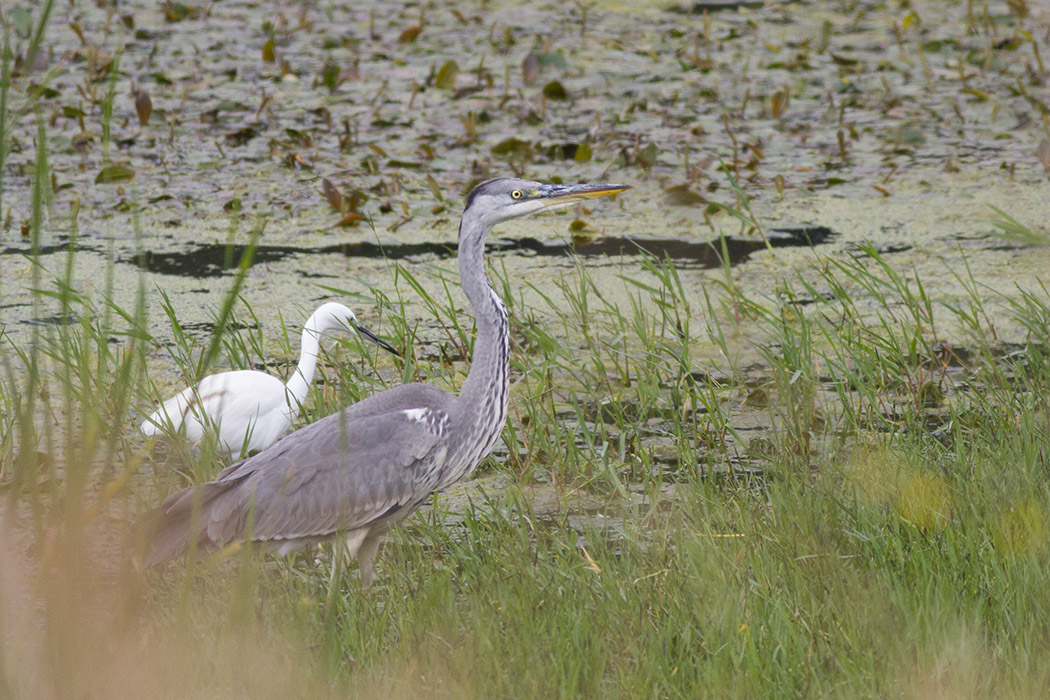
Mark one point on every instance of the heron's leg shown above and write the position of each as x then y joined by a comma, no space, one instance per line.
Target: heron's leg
342,551
366,557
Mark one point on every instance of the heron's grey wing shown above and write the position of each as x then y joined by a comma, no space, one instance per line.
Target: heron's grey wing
305,463
342,475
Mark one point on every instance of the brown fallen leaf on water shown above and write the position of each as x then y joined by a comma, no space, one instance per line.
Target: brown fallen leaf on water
295,161
779,183
1043,154
435,188
781,100
332,195
353,72
346,203
399,223
530,68
351,219
410,34
143,106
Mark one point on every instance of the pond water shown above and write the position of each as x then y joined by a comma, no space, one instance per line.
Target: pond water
859,118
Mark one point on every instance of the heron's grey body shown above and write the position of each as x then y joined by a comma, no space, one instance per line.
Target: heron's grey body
363,469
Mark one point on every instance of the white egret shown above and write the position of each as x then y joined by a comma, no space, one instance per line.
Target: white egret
250,410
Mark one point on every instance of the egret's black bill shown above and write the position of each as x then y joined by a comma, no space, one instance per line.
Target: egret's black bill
365,333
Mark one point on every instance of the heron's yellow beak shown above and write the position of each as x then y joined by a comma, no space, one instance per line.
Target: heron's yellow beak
553,195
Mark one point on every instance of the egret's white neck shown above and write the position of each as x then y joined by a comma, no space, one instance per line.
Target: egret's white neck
299,383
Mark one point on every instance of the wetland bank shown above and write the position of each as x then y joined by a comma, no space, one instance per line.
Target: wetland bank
816,468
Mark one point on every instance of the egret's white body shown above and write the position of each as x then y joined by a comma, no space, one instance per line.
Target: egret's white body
250,410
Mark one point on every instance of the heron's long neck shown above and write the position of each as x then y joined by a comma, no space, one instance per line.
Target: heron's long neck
299,383
485,390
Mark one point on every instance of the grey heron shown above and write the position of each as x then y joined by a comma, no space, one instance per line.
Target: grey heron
251,410
356,473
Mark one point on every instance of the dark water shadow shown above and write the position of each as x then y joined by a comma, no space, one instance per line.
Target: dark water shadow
216,259
62,246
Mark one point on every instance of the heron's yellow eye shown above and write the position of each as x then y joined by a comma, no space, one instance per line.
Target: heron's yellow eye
516,194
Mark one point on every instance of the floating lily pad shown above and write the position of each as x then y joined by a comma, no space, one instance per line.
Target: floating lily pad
446,76
554,90
647,156
38,92
512,147
241,136
21,20
115,172
551,60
